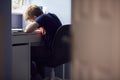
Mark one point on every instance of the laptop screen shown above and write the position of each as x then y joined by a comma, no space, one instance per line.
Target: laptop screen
17,21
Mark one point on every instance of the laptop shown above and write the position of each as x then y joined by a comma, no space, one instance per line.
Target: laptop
17,23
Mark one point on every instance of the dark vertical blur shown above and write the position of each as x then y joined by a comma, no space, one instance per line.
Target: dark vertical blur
5,40
96,40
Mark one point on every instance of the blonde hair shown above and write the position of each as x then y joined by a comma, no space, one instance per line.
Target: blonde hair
32,11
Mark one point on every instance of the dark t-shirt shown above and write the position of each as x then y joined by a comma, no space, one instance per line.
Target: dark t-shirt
51,23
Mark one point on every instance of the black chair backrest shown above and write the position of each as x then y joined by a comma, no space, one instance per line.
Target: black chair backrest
61,45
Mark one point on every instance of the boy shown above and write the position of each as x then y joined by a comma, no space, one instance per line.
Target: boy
44,24
47,23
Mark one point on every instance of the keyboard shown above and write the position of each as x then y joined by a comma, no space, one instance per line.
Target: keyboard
17,30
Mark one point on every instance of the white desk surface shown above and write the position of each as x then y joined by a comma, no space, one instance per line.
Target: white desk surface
22,33
22,37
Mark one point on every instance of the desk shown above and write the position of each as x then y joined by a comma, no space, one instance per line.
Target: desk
21,43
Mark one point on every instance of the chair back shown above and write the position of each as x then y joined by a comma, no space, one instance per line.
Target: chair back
61,45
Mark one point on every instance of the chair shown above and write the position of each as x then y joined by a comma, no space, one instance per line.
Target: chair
60,49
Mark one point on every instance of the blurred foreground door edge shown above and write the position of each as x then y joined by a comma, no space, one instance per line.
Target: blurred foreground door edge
96,41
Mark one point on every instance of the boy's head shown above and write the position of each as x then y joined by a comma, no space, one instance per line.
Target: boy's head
32,12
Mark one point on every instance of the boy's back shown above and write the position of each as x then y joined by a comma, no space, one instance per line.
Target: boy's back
50,23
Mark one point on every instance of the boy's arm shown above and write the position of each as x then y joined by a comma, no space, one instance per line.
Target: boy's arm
40,31
31,27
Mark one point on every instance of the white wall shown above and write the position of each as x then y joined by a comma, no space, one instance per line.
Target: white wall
61,8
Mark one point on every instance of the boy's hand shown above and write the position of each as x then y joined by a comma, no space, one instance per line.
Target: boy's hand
40,31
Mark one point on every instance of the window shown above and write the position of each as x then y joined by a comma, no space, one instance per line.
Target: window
16,4
19,5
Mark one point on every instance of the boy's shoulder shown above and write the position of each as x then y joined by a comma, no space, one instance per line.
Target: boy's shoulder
47,16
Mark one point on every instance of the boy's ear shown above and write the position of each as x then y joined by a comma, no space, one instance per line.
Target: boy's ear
34,17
